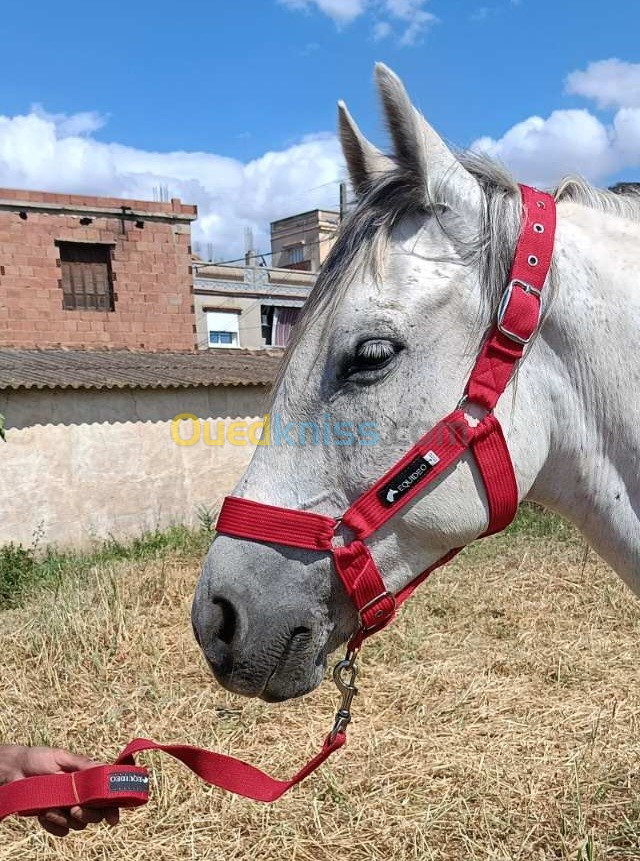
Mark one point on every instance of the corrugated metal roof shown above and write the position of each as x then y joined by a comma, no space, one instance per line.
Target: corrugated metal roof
107,369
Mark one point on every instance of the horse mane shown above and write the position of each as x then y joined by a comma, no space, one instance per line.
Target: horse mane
362,240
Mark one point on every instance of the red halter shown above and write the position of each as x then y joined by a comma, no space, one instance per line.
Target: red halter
517,321
441,447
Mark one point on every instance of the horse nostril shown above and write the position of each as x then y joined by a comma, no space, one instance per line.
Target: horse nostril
300,637
227,619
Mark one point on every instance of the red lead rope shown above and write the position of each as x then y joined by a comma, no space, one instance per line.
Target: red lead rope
126,785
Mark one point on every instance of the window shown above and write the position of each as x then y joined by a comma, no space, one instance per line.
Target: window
87,282
295,254
222,339
222,329
277,324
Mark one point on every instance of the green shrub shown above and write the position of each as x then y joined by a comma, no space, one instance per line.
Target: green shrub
18,567
24,569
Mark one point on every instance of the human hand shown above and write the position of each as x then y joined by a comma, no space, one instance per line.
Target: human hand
17,762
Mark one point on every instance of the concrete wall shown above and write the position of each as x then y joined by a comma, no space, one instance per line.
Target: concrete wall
249,318
314,231
81,465
150,263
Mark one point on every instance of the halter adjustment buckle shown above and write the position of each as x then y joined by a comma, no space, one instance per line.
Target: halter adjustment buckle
381,615
503,309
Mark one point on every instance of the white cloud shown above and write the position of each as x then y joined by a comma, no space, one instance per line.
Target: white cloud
41,151
542,151
381,29
417,28
480,14
411,14
341,11
59,152
626,130
68,125
611,83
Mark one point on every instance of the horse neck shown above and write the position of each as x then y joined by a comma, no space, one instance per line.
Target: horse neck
592,367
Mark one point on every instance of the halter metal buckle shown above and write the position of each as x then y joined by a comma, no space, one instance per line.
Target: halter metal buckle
368,629
504,307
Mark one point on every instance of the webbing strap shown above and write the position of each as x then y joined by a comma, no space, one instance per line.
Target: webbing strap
227,772
126,785
445,443
101,786
256,521
494,462
363,583
519,314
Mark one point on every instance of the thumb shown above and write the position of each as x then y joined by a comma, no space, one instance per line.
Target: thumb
68,761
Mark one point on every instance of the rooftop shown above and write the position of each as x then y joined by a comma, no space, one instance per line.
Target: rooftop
319,214
82,204
119,369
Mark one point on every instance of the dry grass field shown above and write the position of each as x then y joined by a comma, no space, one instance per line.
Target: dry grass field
498,718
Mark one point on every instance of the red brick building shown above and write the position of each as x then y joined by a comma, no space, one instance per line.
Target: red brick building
95,272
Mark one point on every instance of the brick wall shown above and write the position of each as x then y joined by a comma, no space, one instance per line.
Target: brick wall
151,267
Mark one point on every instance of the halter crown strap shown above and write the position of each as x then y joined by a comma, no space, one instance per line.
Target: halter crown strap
518,316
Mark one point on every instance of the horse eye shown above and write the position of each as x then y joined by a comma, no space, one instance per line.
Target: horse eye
370,356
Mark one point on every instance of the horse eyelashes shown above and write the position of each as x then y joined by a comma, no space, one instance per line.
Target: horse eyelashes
375,352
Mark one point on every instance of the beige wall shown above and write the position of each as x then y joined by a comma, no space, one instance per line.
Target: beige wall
81,466
315,231
248,309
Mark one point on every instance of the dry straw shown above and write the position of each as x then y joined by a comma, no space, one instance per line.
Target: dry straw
498,718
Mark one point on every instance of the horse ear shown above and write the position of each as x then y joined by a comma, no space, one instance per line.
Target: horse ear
420,150
365,162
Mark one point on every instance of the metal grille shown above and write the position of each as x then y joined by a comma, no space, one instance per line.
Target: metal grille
87,283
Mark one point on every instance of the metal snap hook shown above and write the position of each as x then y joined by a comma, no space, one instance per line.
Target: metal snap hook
344,675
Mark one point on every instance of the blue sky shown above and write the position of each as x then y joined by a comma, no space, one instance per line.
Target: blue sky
232,104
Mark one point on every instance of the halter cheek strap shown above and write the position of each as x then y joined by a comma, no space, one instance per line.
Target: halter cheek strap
431,458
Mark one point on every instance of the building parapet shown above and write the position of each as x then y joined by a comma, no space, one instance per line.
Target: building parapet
16,200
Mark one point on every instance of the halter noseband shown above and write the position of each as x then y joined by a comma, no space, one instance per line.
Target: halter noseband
436,452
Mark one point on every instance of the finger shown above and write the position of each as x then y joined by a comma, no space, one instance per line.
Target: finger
51,828
112,816
63,819
87,815
55,817
68,761
74,824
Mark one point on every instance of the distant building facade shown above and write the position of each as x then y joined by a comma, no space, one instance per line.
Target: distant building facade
255,306
303,241
95,272
247,306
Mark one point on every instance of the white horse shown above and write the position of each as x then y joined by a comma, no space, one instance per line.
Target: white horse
388,337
